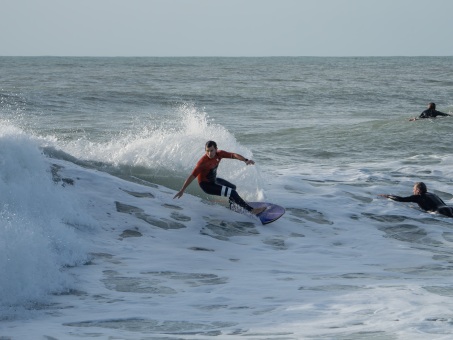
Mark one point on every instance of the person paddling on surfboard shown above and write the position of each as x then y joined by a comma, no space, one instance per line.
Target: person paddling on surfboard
206,173
425,200
431,112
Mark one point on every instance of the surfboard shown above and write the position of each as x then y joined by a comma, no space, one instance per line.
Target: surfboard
272,213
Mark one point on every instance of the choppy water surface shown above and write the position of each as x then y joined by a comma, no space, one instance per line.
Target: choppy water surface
87,254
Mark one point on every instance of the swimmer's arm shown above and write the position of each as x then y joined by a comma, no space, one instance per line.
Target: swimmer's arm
422,116
392,197
412,198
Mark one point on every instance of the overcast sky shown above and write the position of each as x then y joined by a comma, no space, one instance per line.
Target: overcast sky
226,27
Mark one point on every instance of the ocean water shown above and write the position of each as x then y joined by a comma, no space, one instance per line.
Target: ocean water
93,245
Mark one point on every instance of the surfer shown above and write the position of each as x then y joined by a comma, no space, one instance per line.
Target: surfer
426,200
206,173
431,112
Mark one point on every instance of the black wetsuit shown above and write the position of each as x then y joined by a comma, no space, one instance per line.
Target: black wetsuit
431,113
427,201
221,187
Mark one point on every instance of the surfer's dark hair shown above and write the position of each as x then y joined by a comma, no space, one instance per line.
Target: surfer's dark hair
210,143
432,105
422,187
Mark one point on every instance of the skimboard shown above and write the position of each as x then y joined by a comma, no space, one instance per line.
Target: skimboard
272,213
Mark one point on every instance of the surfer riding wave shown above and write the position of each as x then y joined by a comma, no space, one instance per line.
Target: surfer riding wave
206,173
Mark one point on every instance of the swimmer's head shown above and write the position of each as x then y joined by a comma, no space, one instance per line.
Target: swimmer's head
432,106
420,188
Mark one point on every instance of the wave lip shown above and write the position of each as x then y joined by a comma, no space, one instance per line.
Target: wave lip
37,237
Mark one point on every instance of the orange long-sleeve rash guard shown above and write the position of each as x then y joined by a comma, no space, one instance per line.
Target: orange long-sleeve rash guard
206,168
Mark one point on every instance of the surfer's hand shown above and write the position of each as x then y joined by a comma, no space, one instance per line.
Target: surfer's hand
249,162
179,194
386,196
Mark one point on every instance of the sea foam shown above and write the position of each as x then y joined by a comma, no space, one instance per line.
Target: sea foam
168,151
37,218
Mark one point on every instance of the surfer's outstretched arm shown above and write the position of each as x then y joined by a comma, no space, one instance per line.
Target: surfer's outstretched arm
185,185
242,158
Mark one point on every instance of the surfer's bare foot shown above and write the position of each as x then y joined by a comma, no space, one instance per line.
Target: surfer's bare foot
258,211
